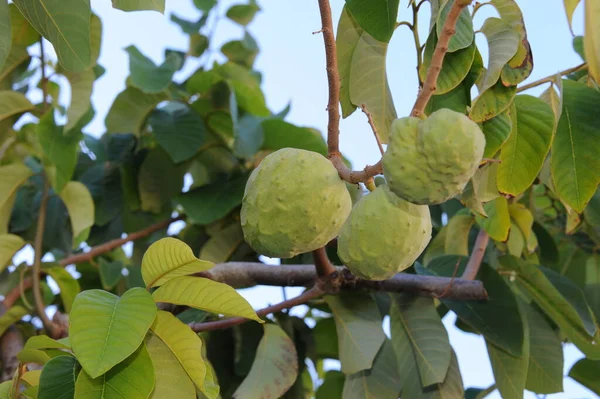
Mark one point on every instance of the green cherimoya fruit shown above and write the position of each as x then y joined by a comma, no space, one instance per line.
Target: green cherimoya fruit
294,202
430,161
383,235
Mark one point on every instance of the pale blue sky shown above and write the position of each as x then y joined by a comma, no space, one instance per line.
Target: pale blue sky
293,65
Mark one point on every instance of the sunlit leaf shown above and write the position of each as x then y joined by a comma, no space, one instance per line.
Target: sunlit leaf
497,224
5,32
58,378
80,205
591,38
570,6
14,314
45,342
223,243
9,245
457,235
68,285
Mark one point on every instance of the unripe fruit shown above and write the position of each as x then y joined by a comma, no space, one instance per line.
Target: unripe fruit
294,202
383,235
430,161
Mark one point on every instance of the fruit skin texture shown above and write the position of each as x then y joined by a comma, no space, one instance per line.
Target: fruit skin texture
383,235
431,161
294,202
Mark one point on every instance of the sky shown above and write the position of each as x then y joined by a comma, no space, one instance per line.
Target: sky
292,61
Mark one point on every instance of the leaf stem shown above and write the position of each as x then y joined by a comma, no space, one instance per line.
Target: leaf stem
474,262
549,79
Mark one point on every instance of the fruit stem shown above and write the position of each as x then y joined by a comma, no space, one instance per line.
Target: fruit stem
322,263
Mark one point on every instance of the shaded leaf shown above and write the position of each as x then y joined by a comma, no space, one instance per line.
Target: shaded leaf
464,36
243,14
347,37
221,245
326,339
146,75
68,285
376,17
585,372
5,32
279,134
138,5
130,109
503,42
492,102
14,314
457,235
110,273
9,245
496,131
332,386
58,376
13,103
159,180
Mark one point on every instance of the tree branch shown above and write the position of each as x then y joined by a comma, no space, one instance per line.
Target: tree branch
550,78
474,262
364,109
301,299
323,265
438,57
11,343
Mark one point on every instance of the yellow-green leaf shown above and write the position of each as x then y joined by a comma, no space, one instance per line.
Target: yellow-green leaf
138,5
497,131
9,318
492,102
591,38
105,329
81,91
69,286
13,103
183,343
80,205
5,32
570,6
69,32
9,245
168,258
205,294
457,235
45,342
522,217
274,369
171,379
223,243
497,224
11,177
132,378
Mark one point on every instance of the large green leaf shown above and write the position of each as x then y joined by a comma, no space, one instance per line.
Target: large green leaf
586,372
57,380
12,103
9,245
133,378
146,75
575,162
356,317
136,5
496,131
185,345
491,318
381,381
169,375
207,204
526,149
105,329
369,85
464,36
80,205
497,223
274,369
205,294
69,32
130,109
5,32
427,335
168,258
503,42
280,134
376,17
510,372
82,84
492,102
545,371
560,310
346,39
68,285
591,38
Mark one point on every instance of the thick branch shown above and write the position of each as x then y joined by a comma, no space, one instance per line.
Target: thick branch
301,299
438,57
550,78
355,176
474,262
323,265
11,343
248,274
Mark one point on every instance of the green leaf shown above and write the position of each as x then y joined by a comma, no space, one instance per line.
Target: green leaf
427,335
137,5
279,134
326,339
82,84
68,285
13,103
242,52
510,372
522,217
586,372
159,180
545,371
570,6
274,369
146,75
376,17
110,273
168,258
9,245
206,204
11,316
497,131
246,87
105,329
170,377
80,205
189,27
492,102
497,224
591,38
68,32
130,109
368,82
356,317
5,32
455,69
347,37
503,42
457,235
185,345
497,318
205,294
574,163
222,244
332,386
524,153
58,378
198,45
132,379
464,36
249,136
545,294
45,342
243,14
382,381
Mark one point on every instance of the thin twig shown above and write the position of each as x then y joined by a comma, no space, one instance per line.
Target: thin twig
40,307
44,81
447,290
438,57
364,109
323,265
415,31
549,79
474,262
301,299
